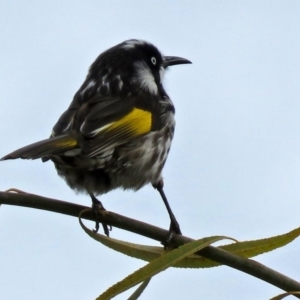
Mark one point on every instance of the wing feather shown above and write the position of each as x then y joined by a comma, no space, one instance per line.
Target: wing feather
134,124
105,122
44,148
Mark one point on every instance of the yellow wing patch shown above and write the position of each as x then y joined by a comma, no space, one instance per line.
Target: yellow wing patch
66,142
138,122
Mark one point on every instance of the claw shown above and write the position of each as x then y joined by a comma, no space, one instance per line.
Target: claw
174,229
97,207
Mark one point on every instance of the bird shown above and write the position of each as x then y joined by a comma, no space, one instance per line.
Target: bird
118,129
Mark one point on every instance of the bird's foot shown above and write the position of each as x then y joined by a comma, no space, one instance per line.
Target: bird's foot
174,229
97,207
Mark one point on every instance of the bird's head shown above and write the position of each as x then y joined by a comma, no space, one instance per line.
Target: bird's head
134,63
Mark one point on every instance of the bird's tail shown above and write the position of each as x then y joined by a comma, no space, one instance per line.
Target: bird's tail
44,148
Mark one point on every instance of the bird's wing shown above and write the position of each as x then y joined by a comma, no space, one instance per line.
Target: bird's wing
111,122
95,126
44,148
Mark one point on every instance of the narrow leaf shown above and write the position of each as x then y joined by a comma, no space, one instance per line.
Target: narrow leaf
158,265
256,247
281,296
139,290
148,253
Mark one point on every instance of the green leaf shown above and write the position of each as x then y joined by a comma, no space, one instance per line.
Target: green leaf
148,253
246,249
281,296
139,290
157,265
256,247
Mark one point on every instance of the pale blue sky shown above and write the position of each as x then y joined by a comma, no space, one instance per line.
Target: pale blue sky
234,167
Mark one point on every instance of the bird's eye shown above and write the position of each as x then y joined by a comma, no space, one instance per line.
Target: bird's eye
153,60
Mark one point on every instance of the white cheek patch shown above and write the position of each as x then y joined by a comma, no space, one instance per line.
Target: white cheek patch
161,73
145,78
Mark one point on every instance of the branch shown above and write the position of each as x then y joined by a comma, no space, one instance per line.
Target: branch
223,257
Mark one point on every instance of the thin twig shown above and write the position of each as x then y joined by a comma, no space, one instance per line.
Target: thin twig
216,254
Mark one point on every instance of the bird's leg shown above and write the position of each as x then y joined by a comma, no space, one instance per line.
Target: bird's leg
174,226
97,205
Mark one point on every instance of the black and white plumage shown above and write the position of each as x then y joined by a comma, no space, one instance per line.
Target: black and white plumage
117,131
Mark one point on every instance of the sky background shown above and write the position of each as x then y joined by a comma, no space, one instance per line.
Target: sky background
234,166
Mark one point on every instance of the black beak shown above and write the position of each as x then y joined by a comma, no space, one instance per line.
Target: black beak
174,60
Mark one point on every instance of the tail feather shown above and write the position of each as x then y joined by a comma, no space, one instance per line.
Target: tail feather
44,148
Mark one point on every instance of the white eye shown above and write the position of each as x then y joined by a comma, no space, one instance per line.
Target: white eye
153,60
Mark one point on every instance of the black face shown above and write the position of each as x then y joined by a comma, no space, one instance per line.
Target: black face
149,54
130,67
121,58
